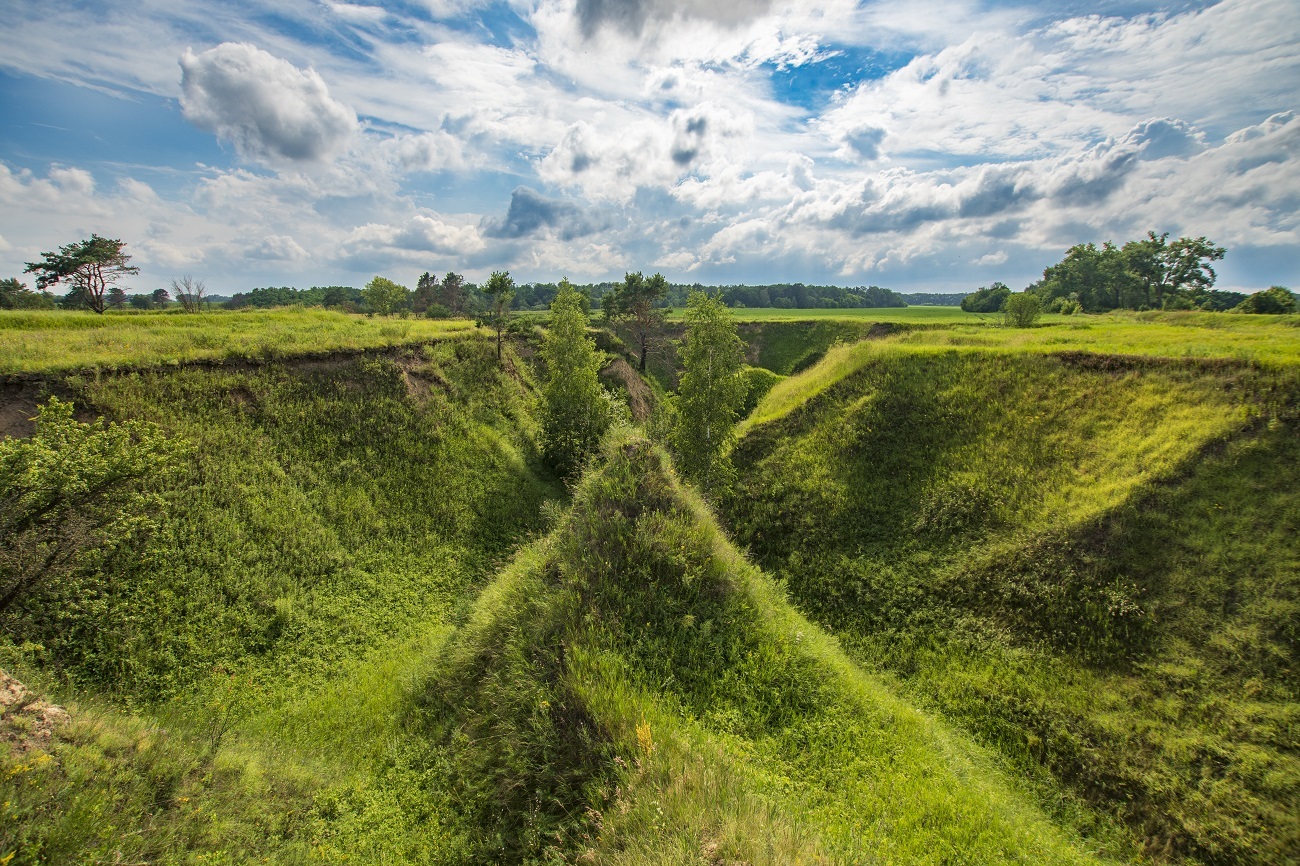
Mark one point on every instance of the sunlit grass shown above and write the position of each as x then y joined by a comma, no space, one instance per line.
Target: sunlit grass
49,341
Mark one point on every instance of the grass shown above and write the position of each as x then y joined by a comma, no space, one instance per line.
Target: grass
1086,561
57,341
306,566
631,690
901,315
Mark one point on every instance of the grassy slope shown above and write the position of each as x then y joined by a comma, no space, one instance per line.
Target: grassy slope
1087,562
334,515
50,341
632,691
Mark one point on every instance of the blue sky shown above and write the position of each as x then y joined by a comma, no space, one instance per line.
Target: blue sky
921,146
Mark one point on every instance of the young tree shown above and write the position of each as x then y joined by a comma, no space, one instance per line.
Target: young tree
577,411
189,292
71,490
711,391
634,303
500,291
1021,310
89,267
383,296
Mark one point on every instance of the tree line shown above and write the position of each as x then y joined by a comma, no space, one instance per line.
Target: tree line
1152,273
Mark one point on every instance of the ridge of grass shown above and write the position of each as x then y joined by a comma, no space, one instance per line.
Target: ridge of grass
632,690
1086,561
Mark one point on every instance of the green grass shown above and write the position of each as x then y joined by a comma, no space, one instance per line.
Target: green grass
632,690
902,315
58,341
1086,561
334,515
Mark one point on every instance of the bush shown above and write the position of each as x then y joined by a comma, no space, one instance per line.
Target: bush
1276,299
1021,311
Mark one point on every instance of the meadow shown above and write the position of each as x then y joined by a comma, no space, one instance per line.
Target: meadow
43,342
977,594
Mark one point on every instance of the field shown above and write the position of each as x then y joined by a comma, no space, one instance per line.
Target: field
45,342
976,594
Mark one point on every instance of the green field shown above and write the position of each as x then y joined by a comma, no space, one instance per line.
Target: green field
976,595
49,341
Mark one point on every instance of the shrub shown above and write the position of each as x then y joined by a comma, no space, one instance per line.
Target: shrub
1022,310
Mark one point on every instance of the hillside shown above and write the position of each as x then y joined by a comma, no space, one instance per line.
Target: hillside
1005,596
632,690
1088,561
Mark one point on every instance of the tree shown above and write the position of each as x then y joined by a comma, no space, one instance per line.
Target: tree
1276,299
634,304
89,267
577,411
425,295
14,295
1022,310
500,291
116,298
159,299
453,293
711,391
986,300
74,490
1167,269
190,293
383,296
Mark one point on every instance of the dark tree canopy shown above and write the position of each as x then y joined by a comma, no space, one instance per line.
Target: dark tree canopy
986,299
88,267
1151,273
635,304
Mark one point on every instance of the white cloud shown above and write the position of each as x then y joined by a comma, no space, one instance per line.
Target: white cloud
267,107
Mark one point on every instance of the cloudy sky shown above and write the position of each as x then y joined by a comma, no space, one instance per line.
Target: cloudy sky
924,146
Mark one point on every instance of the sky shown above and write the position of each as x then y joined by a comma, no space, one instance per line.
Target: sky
921,146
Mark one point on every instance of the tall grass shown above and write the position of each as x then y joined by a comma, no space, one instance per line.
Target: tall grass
1077,558
632,690
334,516
46,341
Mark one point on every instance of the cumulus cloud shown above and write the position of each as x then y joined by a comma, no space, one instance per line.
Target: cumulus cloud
420,234
275,248
631,16
268,108
532,213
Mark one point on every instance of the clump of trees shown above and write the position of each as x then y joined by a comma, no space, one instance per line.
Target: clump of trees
577,410
1276,299
383,297
14,295
1149,274
90,268
986,299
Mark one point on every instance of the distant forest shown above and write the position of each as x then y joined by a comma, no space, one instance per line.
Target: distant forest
538,296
